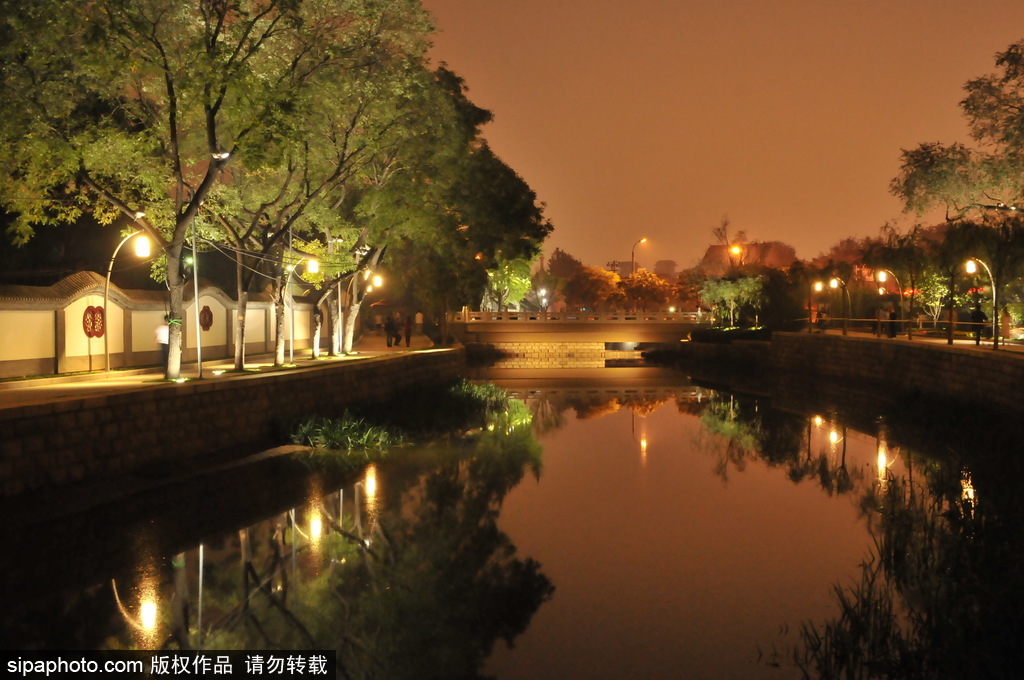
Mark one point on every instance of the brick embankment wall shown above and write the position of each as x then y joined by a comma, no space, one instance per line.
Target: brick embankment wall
49,445
899,369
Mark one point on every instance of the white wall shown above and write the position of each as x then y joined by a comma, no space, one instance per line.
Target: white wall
27,334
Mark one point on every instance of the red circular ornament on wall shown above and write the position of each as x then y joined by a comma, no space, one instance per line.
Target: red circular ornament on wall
94,322
206,318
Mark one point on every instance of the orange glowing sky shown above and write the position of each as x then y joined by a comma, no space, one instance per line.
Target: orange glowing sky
658,118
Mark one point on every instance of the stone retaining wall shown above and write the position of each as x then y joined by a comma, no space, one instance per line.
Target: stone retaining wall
901,369
49,445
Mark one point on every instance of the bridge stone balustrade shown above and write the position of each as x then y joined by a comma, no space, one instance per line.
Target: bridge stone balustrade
568,327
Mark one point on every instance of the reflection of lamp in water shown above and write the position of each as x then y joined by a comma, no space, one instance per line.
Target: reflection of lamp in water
147,615
967,486
833,437
369,485
146,622
316,526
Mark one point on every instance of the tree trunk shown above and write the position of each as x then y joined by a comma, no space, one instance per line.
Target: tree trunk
318,322
176,307
350,326
279,340
335,317
243,303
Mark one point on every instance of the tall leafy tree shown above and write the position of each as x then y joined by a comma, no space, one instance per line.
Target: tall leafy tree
591,287
139,106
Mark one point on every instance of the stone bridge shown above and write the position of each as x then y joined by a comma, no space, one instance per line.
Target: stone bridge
581,339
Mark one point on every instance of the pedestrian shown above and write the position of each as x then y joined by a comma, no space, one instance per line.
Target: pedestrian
821,321
978,320
162,335
408,329
396,329
389,329
892,322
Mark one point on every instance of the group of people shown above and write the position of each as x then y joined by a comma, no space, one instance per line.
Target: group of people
395,328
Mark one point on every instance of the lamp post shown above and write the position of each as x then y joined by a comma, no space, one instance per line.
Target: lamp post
141,250
971,266
632,256
312,267
837,282
882,275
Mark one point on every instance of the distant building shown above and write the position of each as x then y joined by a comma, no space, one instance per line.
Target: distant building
666,269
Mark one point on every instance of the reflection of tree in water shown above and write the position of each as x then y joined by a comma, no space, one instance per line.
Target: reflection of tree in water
595,404
427,594
943,597
745,431
643,404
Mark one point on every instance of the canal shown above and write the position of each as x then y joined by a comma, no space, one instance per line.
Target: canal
608,523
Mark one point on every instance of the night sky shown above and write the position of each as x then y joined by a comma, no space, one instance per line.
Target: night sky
658,118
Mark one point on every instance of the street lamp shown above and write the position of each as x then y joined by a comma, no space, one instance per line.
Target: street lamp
882,275
142,249
312,267
971,266
736,250
837,282
632,260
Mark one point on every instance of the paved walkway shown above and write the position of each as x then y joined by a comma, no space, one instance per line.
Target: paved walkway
48,389
1015,347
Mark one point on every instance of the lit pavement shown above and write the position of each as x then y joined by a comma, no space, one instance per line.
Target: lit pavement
48,389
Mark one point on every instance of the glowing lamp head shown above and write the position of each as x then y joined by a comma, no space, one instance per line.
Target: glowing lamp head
142,246
378,281
882,276
882,291
313,266
834,283
736,250
971,267
819,286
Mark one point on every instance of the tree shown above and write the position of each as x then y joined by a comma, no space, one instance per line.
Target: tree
138,107
563,265
507,283
731,293
903,253
643,289
591,287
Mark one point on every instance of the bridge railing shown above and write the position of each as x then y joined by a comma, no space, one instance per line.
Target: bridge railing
580,317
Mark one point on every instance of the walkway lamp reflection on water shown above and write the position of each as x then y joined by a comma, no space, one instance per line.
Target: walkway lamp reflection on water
147,615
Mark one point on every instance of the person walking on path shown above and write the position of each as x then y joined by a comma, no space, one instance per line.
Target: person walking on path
408,330
390,331
892,322
978,320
